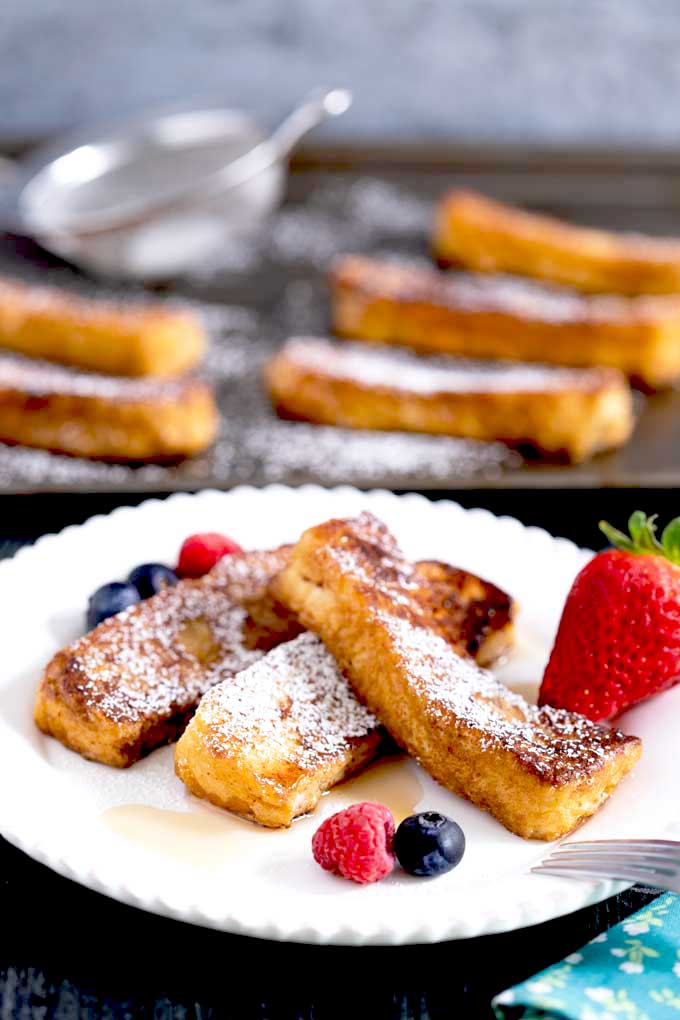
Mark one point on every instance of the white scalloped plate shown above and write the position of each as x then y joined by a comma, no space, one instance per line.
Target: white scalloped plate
138,836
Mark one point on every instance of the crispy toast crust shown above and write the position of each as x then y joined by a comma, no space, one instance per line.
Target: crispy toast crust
103,417
469,613
539,772
505,317
560,412
102,336
267,744
133,682
488,236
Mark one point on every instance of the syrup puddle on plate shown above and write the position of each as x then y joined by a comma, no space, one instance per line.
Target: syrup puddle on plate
199,838
392,781
207,837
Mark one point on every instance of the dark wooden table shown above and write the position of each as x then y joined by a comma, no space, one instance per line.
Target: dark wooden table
72,954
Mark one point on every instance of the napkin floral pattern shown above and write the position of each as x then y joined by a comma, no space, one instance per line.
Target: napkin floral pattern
631,972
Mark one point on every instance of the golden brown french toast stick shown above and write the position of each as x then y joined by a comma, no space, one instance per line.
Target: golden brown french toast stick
97,334
506,317
270,742
539,772
489,236
104,417
565,413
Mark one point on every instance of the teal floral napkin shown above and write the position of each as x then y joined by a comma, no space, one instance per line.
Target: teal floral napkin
631,972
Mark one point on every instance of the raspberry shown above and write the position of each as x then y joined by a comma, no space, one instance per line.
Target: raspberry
356,843
199,553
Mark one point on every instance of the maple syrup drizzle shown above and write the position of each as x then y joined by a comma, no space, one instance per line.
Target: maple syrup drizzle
206,839
202,839
392,781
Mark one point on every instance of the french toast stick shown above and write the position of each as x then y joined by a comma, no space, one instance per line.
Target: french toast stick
104,417
268,743
540,772
96,334
505,317
489,236
566,413
133,682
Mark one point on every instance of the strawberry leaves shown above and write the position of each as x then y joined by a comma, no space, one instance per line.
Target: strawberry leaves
643,539
670,539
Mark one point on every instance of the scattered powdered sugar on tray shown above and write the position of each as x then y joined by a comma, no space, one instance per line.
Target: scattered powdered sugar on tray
279,290
295,699
235,359
296,453
241,253
225,320
307,235
344,220
23,469
303,307
389,210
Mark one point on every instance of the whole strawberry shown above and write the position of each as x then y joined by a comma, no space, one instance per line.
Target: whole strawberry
619,637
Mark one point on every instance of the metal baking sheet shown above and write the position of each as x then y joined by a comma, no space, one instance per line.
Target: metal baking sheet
267,286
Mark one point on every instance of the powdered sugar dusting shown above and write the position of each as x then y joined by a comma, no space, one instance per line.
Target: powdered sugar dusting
556,744
295,701
512,296
77,305
140,664
42,378
386,367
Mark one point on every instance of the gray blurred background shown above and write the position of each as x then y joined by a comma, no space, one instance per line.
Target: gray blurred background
551,71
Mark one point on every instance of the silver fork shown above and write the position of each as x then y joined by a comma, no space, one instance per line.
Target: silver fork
654,862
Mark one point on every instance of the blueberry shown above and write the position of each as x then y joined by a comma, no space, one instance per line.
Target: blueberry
429,844
109,600
151,578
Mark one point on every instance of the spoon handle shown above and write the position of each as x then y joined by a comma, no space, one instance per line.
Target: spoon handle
319,105
274,149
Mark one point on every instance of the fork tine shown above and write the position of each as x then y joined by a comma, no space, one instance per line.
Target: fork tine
617,854
645,862
647,844
624,875
651,861
595,872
